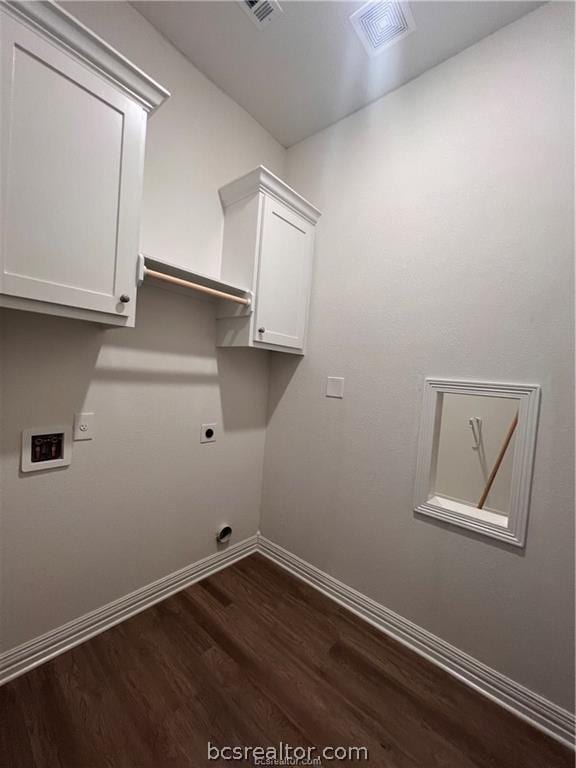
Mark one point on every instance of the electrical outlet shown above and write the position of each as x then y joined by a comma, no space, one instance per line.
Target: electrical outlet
83,426
208,433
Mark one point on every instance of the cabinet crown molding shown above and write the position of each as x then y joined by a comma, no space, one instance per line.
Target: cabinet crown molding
56,23
263,180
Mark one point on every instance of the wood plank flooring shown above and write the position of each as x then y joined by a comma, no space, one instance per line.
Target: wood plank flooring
251,656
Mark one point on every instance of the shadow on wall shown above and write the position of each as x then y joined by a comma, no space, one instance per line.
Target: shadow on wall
172,343
53,367
284,367
46,366
243,377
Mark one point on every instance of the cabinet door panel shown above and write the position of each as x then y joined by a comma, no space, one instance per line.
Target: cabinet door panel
72,148
283,277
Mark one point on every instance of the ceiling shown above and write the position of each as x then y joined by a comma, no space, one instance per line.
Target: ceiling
308,69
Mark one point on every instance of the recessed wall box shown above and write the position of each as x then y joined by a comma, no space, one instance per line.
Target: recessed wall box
46,448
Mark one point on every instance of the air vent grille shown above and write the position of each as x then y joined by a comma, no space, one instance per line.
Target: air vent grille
261,12
381,24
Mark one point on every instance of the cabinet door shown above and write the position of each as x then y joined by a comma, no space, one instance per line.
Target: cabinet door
72,155
283,277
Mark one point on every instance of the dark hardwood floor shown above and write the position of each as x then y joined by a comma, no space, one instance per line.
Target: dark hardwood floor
251,656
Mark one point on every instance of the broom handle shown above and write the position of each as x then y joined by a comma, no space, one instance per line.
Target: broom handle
498,461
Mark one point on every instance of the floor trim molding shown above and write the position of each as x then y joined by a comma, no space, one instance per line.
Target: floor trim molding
543,714
537,710
25,657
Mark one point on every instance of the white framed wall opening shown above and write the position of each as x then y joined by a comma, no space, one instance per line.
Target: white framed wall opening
475,455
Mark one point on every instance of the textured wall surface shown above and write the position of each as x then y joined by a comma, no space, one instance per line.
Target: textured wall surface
445,249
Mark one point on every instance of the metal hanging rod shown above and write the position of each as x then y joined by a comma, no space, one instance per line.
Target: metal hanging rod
144,271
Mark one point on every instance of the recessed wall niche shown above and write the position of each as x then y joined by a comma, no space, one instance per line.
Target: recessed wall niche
476,454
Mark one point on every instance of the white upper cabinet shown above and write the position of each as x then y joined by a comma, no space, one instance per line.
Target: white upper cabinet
73,127
268,248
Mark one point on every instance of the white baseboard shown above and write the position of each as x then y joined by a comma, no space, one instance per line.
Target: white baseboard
540,712
543,714
35,652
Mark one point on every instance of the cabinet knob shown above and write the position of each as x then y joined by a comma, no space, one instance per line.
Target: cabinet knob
262,329
124,298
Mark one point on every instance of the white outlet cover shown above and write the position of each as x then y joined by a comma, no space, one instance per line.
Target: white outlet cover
83,426
205,436
335,387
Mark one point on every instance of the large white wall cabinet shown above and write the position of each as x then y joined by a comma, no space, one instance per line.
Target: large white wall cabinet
268,248
73,126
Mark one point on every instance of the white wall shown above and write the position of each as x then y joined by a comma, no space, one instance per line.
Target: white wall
143,499
445,249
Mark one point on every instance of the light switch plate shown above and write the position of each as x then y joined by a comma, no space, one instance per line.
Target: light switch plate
335,386
83,426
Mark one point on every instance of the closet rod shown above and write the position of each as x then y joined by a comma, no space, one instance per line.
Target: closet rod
195,286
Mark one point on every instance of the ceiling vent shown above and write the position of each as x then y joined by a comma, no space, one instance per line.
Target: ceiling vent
261,12
381,24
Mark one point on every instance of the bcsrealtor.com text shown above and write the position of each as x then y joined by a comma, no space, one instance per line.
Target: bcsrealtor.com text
286,754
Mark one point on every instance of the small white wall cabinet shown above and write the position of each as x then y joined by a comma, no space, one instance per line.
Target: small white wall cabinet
73,126
268,248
